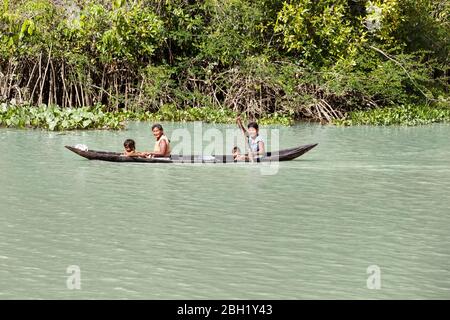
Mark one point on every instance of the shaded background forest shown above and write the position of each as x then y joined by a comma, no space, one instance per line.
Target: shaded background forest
315,59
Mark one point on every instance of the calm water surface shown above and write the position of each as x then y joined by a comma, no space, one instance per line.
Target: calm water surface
365,196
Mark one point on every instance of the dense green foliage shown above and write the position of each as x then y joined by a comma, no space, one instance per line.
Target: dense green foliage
403,115
55,118
318,59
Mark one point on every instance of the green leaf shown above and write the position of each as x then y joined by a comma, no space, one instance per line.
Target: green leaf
52,125
86,123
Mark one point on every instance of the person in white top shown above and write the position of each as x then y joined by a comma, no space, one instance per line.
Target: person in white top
255,142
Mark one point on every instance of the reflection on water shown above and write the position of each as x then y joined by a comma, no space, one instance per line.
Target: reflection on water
365,196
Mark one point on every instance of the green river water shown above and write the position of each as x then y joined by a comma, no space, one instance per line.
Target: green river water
364,196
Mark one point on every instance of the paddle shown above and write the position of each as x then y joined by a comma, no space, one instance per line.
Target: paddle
239,122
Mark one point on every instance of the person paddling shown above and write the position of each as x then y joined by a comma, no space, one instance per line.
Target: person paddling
255,142
162,143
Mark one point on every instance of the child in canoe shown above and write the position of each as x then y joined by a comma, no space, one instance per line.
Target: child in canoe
237,156
130,149
162,143
255,142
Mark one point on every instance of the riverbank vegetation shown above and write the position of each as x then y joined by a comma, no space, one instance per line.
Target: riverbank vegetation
409,115
324,60
98,117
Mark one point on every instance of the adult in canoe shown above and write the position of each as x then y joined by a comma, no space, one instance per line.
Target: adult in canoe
162,143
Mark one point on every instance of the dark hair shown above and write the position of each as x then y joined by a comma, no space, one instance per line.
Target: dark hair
129,143
236,149
157,125
253,125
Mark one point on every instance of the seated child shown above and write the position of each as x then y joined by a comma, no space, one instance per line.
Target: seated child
130,149
237,154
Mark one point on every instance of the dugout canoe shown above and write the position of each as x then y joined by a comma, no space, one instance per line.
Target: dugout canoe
281,155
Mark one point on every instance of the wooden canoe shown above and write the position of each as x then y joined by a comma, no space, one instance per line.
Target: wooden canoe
282,155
